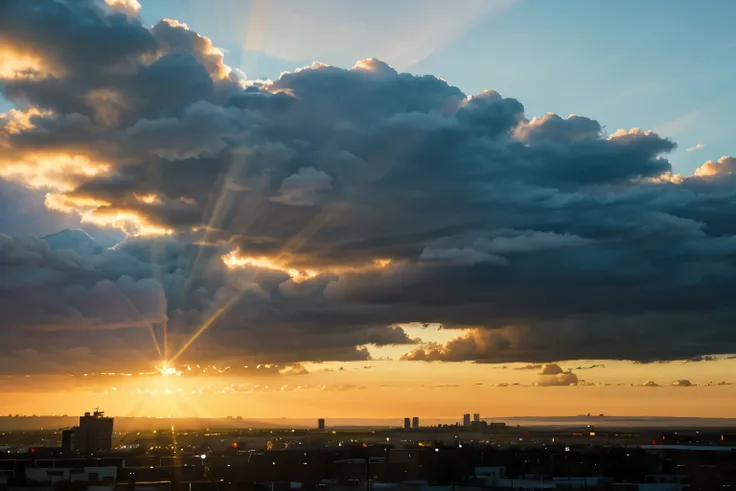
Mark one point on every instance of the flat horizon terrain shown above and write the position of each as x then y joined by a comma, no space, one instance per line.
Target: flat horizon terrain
126,423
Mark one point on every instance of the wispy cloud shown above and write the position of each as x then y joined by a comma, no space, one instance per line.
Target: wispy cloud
696,147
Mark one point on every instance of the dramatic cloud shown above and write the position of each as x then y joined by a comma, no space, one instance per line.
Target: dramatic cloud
69,294
345,202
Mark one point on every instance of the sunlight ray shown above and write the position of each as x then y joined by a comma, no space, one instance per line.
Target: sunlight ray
382,165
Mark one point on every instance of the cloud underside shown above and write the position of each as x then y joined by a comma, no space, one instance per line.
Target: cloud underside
348,201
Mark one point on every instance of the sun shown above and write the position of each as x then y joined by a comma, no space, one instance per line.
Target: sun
167,371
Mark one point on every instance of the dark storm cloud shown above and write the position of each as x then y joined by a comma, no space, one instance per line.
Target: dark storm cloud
67,294
548,237
73,35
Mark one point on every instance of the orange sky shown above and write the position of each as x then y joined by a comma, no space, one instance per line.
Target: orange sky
389,389
386,388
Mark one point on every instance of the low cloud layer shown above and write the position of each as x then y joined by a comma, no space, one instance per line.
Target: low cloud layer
348,201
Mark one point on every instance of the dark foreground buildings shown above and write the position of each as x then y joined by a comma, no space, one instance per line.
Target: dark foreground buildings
453,458
93,435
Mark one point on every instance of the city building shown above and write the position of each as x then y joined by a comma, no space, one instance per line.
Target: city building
407,423
466,419
476,417
415,422
321,424
93,435
67,441
97,475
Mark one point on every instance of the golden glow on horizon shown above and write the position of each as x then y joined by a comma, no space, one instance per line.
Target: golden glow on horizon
167,370
380,389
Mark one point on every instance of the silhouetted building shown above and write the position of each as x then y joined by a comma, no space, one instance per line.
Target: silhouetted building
415,422
67,440
466,419
94,433
321,424
476,418
407,423
479,425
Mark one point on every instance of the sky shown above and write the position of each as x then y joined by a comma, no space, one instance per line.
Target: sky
367,209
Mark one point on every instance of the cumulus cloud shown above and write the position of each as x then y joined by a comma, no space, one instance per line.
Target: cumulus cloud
552,375
699,146
130,7
357,200
473,345
724,165
682,383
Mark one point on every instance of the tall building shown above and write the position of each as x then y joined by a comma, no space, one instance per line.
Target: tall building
407,423
415,422
321,424
476,417
466,419
67,441
94,433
